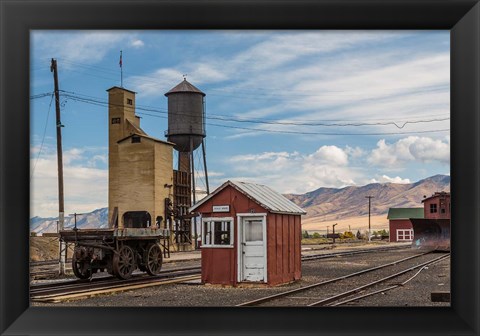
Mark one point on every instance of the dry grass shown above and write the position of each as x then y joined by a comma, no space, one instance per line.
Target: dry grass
45,248
345,224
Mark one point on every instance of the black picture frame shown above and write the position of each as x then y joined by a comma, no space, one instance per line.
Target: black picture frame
18,17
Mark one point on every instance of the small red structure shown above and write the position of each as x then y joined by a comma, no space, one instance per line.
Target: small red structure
400,225
433,232
250,234
437,206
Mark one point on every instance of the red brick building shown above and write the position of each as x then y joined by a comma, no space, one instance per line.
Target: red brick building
250,234
400,225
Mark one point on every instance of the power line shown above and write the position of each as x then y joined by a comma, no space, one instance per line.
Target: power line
40,95
306,133
104,103
43,138
400,125
322,133
304,122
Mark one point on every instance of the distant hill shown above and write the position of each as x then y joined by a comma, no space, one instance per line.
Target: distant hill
350,201
334,203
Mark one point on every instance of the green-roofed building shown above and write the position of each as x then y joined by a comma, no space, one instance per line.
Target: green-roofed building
401,229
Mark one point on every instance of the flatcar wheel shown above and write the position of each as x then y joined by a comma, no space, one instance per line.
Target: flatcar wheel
124,262
154,259
81,268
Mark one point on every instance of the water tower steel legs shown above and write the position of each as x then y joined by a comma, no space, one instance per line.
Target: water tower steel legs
205,166
194,220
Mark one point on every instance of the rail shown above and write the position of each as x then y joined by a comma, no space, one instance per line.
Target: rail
329,281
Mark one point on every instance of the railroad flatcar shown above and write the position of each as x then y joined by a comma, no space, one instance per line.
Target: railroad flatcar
117,251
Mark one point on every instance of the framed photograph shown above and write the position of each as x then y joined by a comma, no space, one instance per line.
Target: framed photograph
235,24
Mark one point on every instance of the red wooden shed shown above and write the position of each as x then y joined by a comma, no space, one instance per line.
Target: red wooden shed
400,224
250,234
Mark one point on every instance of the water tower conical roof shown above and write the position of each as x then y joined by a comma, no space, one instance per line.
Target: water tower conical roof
184,86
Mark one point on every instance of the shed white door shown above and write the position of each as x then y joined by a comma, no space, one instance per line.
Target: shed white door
253,249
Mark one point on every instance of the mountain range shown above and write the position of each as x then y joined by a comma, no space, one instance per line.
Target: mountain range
337,203
331,203
95,219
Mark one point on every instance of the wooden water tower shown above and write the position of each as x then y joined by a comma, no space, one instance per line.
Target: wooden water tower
186,129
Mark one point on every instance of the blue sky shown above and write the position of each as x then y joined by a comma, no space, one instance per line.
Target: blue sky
295,110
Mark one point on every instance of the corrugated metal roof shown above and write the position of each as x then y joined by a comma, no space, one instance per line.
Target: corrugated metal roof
405,213
184,86
263,195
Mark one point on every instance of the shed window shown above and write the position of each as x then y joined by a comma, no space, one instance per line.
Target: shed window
115,120
129,101
136,139
433,208
217,232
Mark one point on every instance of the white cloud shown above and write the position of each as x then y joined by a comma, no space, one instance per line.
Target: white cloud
412,148
354,152
136,43
387,179
85,47
295,172
77,46
331,155
332,166
85,187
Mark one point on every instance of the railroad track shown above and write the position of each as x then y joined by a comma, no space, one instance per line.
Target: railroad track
73,289
76,289
349,253
316,294
43,269
47,262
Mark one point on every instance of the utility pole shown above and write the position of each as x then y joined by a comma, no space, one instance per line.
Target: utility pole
61,210
369,206
333,229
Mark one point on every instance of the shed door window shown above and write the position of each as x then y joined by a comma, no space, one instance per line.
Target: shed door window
217,232
253,230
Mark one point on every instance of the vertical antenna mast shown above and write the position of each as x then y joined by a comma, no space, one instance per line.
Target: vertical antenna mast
61,210
121,69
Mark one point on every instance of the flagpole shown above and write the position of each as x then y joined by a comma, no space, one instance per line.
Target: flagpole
121,70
